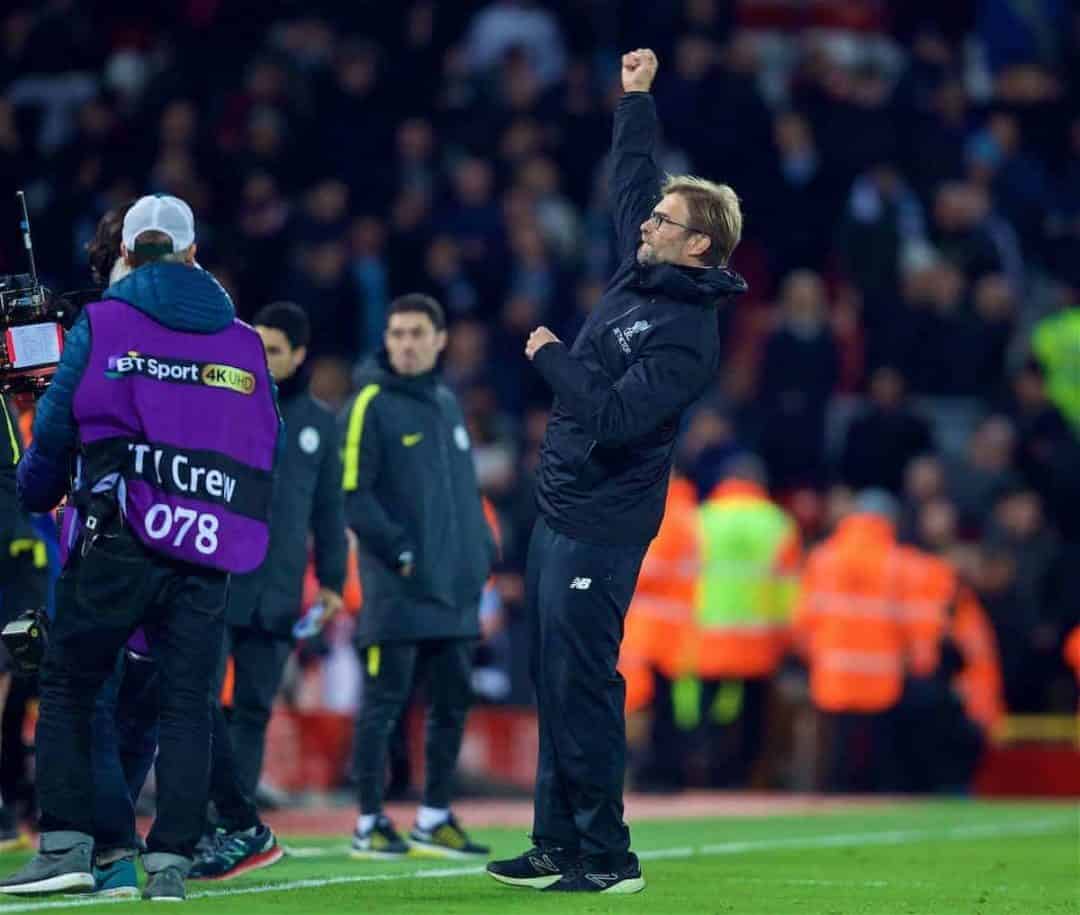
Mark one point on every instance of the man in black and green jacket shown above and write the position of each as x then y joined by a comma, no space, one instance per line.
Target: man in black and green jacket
412,498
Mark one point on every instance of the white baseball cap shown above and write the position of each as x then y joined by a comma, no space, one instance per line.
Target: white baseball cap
160,213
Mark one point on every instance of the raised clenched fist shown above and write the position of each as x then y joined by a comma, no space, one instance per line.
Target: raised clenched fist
639,70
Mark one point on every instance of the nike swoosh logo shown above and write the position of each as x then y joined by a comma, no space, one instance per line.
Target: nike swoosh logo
414,439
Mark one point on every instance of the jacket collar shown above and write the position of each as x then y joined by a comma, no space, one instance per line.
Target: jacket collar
707,286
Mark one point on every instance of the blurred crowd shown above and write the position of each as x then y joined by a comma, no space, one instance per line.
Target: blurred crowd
910,175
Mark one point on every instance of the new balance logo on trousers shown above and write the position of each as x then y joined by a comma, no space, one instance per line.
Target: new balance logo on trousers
580,584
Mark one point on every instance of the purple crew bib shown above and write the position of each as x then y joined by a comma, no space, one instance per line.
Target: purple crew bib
188,421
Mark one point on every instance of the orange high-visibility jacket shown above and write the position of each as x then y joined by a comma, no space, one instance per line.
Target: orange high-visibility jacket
936,604
1072,651
929,592
850,617
979,681
750,559
660,614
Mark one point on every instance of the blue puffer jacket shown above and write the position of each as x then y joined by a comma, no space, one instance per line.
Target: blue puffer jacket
177,296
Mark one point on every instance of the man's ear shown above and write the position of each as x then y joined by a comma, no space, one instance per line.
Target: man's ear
189,255
698,245
125,254
298,356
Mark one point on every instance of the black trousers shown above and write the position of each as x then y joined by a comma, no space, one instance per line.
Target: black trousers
240,739
863,753
728,723
124,743
576,595
100,599
937,745
734,730
390,670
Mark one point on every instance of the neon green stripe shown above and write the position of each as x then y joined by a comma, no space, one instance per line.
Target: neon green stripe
354,434
686,702
11,431
33,546
374,656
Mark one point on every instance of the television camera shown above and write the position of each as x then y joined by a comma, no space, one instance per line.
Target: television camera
32,322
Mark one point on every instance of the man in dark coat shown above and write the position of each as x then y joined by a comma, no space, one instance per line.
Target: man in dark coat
264,606
648,350
412,498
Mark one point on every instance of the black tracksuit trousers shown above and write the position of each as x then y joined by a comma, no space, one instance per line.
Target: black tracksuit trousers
577,595
391,669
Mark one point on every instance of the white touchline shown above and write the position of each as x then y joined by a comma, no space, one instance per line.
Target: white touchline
834,840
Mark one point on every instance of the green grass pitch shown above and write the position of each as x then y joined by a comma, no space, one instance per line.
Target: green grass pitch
954,858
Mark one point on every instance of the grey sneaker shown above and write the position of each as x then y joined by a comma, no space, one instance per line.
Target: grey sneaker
61,866
165,886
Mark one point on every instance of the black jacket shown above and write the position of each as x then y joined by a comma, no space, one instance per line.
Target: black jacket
307,498
410,485
649,349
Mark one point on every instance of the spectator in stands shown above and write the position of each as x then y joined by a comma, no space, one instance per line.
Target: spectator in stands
798,372
984,472
881,442
1041,429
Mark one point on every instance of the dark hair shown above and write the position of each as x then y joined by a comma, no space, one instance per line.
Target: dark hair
151,246
417,302
104,248
289,318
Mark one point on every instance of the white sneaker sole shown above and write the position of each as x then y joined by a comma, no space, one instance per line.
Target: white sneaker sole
420,849
361,854
535,883
75,882
626,887
118,892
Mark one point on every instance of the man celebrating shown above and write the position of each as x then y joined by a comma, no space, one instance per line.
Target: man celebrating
647,351
164,401
412,498
263,606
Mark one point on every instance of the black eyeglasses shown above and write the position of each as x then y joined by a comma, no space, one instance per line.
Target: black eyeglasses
658,219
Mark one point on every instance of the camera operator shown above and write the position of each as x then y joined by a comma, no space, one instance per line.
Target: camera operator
165,402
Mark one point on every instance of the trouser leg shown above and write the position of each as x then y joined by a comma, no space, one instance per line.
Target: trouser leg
99,600
258,662
235,809
584,595
447,665
188,645
553,817
388,676
666,739
114,807
137,711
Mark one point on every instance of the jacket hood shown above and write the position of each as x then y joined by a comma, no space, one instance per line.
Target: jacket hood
706,286
180,297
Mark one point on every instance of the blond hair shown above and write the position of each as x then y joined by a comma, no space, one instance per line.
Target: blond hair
714,210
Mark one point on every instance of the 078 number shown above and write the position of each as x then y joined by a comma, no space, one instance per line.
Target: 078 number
161,520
